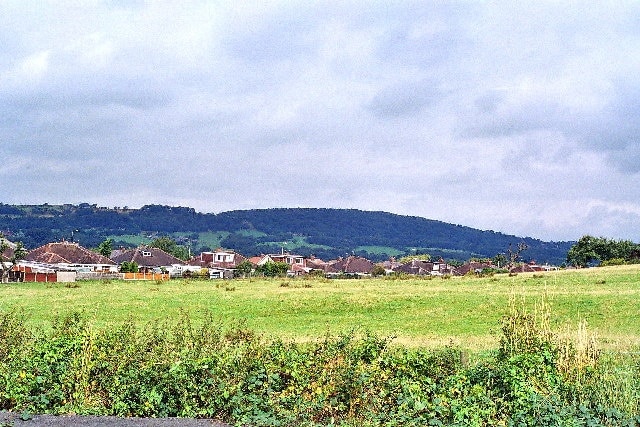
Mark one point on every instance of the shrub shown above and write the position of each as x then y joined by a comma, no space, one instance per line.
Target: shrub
173,368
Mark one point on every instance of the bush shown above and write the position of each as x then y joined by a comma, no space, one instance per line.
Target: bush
172,368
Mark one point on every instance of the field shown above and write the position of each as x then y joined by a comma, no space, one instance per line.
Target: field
500,350
417,312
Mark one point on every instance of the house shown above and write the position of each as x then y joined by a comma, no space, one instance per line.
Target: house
70,256
149,259
287,258
220,258
472,267
254,260
390,265
531,267
416,267
353,265
316,264
297,263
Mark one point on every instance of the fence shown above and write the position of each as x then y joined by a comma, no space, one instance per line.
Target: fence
145,276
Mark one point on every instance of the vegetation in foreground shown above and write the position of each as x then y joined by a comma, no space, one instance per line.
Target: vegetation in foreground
232,374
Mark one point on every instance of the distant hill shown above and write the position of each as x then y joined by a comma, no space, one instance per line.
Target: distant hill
325,233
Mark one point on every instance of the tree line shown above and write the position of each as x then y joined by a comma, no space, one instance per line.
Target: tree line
590,251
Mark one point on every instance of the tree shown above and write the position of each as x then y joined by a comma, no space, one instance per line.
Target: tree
105,248
419,257
595,250
500,260
244,268
513,256
378,270
7,263
273,269
170,246
129,267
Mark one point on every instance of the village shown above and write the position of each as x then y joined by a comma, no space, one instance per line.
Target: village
67,261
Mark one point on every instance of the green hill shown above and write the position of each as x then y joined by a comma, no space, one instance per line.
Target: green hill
325,233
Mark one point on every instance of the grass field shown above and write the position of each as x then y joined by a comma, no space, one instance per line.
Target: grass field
419,312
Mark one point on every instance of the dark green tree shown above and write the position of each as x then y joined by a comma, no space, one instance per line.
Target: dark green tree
244,268
273,269
129,267
170,246
378,270
105,248
500,260
594,250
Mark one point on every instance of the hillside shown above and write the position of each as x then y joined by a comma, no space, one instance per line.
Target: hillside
326,233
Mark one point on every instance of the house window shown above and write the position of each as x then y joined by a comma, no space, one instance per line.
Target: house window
146,253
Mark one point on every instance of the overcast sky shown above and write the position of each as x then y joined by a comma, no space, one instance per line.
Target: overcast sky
519,117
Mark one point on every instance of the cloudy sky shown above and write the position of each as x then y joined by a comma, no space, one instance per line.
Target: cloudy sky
520,117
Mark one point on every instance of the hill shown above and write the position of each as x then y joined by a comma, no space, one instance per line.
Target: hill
326,233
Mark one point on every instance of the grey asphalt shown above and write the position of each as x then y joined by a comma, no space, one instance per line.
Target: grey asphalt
14,419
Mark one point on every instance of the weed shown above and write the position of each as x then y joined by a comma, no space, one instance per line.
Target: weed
72,285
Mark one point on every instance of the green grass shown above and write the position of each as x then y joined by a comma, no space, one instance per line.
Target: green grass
209,239
378,250
419,312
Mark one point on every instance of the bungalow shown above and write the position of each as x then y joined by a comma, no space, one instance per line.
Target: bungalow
71,256
472,267
297,263
416,267
150,259
353,265
287,258
220,258
316,264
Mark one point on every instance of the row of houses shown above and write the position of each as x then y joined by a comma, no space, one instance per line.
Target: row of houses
66,261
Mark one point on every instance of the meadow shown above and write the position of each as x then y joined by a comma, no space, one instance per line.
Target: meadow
556,349
418,312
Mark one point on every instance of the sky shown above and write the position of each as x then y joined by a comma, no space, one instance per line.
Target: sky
518,117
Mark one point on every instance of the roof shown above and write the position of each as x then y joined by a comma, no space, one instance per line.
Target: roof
66,253
146,256
353,264
472,266
523,268
210,259
415,267
254,259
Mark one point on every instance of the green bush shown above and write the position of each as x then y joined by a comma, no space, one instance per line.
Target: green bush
174,369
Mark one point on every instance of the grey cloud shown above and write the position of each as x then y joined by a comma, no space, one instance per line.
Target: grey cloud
278,38
405,99
509,118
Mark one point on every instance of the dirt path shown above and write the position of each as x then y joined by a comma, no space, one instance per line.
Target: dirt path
12,419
